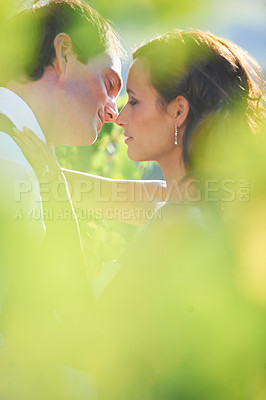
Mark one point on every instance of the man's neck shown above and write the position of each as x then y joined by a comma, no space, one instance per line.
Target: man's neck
39,95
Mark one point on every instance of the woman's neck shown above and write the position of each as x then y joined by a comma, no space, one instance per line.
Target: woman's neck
179,190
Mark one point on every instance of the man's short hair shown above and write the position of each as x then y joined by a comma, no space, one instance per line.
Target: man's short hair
27,40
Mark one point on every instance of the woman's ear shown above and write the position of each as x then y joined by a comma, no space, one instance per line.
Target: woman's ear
63,51
179,109
182,110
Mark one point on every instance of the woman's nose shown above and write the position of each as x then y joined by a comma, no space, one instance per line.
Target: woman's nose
121,119
118,121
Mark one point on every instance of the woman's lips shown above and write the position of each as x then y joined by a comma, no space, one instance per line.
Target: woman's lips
128,139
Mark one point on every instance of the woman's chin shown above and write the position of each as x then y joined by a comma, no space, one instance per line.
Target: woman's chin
137,157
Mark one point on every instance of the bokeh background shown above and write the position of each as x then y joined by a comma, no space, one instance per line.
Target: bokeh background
242,21
199,324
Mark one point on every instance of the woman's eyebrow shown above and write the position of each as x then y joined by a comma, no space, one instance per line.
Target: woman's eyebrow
130,91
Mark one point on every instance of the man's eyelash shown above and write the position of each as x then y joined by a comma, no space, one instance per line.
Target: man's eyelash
110,84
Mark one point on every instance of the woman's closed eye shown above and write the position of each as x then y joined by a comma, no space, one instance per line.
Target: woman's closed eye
133,102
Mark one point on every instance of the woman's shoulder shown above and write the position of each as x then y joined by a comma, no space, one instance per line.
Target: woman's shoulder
169,212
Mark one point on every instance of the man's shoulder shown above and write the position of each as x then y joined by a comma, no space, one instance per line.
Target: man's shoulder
12,177
20,198
6,124
10,152
10,169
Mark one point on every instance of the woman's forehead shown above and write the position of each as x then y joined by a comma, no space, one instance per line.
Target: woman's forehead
138,77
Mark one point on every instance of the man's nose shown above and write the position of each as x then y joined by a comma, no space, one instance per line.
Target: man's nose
119,121
110,111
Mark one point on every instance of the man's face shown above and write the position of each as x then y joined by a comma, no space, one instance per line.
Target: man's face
86,98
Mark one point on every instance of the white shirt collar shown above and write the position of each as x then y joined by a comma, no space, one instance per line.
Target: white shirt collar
13,107
18,111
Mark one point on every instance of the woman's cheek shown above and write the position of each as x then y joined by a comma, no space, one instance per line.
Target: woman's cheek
135,117
141,117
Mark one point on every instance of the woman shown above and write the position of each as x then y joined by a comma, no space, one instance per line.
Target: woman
187,91
173,324
176,322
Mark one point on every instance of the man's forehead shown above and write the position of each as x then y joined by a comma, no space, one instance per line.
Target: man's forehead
105,60
115,64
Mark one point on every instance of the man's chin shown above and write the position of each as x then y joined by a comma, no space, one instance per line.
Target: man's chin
87,141
93,139
81,143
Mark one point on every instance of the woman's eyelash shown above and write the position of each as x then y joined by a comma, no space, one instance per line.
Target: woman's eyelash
133,102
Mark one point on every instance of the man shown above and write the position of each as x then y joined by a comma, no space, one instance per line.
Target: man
62,59
60,74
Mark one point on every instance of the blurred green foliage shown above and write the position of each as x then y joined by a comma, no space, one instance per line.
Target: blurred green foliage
142,17
185,320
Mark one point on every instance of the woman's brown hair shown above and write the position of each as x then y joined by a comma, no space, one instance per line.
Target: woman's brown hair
221,82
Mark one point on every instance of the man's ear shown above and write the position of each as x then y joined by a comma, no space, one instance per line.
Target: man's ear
63,51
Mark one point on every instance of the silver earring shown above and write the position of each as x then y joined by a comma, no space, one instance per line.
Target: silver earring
176,135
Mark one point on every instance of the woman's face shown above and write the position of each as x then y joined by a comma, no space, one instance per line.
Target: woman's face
149,129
